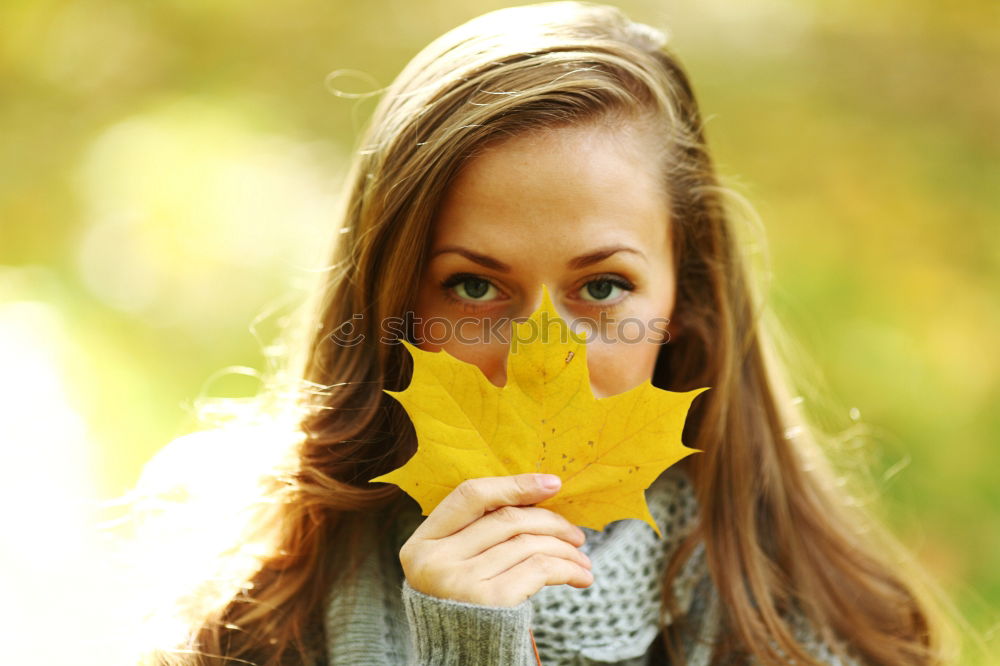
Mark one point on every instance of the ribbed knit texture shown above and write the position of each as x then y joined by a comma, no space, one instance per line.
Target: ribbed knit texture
382,620
488,635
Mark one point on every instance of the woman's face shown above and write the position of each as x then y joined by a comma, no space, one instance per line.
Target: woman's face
579,209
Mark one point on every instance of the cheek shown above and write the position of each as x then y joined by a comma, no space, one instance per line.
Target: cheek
464,341
491,359
468,339
620,366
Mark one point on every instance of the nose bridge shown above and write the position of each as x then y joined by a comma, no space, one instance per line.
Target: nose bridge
533,300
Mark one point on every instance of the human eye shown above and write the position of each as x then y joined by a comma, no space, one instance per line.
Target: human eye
605,289
466,287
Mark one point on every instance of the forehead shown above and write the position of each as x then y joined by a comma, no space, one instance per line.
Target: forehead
559,187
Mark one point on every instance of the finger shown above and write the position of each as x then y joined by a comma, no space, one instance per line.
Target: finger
517,549
527,577
508,521
473,498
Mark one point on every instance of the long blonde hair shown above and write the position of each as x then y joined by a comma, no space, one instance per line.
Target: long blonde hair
778,529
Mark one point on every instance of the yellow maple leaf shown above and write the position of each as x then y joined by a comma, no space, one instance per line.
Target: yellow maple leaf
545,419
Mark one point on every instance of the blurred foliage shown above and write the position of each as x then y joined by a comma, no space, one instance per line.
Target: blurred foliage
168,171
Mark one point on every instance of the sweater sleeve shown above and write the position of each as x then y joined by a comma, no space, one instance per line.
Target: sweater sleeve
449,633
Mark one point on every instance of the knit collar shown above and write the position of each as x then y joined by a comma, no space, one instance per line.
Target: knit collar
618,616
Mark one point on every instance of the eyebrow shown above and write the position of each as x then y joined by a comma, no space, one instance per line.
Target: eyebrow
582,261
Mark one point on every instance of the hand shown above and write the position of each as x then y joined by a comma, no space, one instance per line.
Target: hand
485,544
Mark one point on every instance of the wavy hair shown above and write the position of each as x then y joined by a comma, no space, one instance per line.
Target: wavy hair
780,531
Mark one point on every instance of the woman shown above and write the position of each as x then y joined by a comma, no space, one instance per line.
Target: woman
544,129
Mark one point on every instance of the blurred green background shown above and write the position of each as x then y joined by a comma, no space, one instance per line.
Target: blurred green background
168,171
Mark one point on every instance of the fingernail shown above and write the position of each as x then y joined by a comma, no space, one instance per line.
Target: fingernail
549,481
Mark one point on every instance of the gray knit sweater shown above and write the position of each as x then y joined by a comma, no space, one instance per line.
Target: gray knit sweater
382,620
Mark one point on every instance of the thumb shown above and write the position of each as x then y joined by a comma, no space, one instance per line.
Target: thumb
532,488
474,498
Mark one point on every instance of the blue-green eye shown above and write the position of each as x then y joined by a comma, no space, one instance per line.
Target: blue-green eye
604,289
470,287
